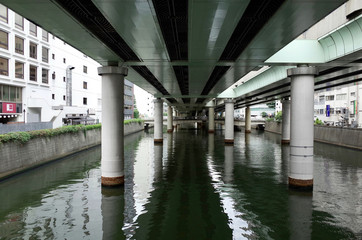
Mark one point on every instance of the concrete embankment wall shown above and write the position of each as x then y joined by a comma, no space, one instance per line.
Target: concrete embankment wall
16,157
346,137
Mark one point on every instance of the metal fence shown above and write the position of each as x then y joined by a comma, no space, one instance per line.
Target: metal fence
23,127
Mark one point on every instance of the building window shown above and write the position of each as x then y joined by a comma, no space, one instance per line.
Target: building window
53,56
44,54
44,76
3,13
33,50
53,75
4,67
63,97
19,22
330,98
84,101
85,85
19,70
32,73
85,70
53,96
32,29
353,94
3,39
341,96
63,79
64,60
44,35
19,45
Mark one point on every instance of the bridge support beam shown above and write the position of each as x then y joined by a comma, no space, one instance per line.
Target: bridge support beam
169,119
112,124
301,129
286,121
229,121
158,121
247,120
211,120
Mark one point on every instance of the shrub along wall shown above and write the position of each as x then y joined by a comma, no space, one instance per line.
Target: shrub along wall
23,150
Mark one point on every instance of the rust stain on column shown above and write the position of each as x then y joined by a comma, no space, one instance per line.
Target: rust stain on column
299,183
112,181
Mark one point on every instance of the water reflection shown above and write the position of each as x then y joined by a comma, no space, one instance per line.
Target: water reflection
192,187
229,164
112,208
300,209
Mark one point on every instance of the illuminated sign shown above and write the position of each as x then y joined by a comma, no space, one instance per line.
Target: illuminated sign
9,107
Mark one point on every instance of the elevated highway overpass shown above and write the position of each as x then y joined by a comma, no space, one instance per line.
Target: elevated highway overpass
188,52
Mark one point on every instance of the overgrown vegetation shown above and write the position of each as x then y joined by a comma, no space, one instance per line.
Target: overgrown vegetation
318,122
23,137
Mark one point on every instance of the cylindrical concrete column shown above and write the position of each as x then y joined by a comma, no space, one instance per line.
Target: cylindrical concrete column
286,121
301,127
112,163
158,121
211,120
247,120
169,119
229,121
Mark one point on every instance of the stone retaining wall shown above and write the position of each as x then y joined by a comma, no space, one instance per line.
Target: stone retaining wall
15,157
341,136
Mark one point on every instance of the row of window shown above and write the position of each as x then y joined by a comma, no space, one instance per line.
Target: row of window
127,88
33,48
10,93
19,46
342,96
85,100
19,70
19,23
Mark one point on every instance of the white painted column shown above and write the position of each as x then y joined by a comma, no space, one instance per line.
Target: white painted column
169,119
158,121
229,121
286,121
302,126
247,120
112,163
211,120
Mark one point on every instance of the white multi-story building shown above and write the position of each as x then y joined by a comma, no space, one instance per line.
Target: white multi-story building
33,79
339,105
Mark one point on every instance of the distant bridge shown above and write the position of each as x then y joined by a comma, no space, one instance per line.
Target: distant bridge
237,122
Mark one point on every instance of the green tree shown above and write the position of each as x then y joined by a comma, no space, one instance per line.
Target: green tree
279,116
264,114
136,113
271,104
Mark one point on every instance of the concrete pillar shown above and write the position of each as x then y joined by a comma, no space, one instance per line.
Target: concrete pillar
169,119
158,121
286,121
247,120
229,121
211,120
301,128
112,163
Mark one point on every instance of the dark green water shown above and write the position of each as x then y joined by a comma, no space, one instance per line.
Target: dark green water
192,187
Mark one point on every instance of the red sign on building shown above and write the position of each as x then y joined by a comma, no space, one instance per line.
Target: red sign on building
9,107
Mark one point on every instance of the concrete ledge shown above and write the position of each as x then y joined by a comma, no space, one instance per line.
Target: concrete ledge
16,158
344,137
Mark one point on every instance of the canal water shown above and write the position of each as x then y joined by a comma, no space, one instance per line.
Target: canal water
191,187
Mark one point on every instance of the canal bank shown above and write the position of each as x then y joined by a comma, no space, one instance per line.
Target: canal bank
18,157
341,136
